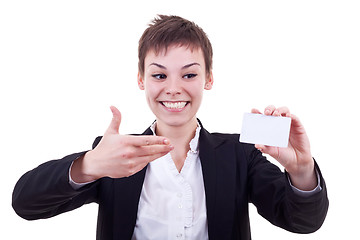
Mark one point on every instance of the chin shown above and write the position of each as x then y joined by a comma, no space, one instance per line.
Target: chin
175,121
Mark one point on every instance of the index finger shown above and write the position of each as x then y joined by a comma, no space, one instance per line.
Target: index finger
147,140
269,110
283,111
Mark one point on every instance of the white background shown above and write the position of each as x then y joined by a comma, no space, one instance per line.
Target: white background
63,63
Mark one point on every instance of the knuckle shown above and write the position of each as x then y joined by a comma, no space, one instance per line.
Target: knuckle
122,140
128,154
125,155
130,164
131,168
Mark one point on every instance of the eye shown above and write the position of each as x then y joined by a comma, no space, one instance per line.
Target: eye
159,76
190,75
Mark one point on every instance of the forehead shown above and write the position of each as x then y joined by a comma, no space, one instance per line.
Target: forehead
175,55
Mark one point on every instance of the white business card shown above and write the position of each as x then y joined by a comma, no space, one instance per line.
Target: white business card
265,130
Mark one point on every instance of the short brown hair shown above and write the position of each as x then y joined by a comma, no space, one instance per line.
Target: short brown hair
167,30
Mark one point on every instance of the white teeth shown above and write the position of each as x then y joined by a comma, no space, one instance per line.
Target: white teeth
174,105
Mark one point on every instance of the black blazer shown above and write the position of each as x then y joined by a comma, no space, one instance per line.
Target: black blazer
234,175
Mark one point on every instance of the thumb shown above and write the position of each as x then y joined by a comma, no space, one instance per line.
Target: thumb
115,121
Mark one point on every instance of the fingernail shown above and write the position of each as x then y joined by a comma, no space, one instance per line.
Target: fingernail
166,141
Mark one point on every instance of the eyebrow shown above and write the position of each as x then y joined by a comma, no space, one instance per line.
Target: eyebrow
189,65
186,66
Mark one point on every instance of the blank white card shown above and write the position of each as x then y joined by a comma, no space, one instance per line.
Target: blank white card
265,130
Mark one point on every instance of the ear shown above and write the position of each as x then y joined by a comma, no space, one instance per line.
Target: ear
140,81
209,81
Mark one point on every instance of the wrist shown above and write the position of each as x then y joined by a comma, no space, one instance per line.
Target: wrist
81,170
305,178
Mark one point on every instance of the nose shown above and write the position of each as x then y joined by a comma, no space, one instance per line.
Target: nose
173,87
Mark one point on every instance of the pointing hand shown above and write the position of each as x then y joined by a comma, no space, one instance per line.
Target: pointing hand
117,155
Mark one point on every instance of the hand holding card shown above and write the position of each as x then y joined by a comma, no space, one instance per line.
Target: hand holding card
281,135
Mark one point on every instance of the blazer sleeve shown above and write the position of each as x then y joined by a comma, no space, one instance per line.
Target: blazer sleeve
275,200
45,191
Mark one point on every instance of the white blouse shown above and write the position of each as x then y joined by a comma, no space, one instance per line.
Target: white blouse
172,204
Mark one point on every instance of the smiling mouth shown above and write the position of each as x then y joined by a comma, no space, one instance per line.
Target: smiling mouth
175,105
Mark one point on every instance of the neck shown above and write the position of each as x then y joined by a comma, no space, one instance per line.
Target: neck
180,137
181,134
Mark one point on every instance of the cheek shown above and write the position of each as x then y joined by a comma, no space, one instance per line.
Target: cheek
196,89
151,91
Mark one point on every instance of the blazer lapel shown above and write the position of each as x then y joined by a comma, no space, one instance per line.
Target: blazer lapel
127,193
207,147
218,161
126,198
